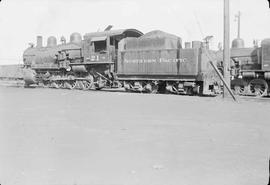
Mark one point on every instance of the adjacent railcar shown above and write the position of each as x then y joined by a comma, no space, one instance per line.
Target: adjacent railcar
250,70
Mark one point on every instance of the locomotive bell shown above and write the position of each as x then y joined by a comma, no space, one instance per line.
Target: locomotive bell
75,38
51,41
63,40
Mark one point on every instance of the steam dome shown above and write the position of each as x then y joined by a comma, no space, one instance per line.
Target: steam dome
75,38
265,42
51,41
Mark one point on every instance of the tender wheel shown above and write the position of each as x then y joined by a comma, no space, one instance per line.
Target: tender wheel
127,86
155,88
258,87
151,88
148,88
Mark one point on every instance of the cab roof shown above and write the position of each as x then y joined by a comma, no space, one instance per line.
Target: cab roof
123,32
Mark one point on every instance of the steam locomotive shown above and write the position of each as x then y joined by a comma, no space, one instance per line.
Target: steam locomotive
250,68
152,62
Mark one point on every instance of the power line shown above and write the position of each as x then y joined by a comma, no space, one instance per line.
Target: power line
198,23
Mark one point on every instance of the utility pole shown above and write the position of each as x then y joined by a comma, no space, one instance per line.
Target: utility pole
226,51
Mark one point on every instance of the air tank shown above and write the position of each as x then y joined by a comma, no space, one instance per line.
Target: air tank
196,44
238,43
51,41
75,38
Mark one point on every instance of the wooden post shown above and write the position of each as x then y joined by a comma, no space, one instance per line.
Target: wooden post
224,82
226,51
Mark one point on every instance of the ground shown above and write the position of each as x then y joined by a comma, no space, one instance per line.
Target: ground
63,137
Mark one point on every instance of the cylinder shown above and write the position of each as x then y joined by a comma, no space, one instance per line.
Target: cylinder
75,38
267,75
51,41
39,41
187,45
196,44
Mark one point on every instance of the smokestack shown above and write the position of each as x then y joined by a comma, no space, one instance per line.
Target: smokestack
39,41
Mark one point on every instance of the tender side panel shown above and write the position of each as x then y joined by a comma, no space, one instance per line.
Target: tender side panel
149,62
189,60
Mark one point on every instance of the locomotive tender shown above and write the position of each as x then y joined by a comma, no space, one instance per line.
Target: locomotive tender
154,62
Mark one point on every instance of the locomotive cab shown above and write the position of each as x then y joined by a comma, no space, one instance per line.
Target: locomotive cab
101,47
100,50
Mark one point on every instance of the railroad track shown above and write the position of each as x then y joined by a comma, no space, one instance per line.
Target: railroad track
20,83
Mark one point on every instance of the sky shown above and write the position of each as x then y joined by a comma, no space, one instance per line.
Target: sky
22,20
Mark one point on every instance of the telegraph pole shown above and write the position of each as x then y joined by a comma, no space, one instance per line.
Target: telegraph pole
226,51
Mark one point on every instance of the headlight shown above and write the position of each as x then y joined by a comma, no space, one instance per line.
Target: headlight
68,68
